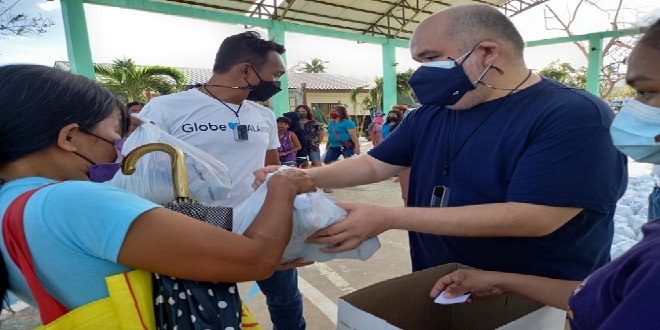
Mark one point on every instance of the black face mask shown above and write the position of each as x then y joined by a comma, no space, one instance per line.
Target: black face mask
264,90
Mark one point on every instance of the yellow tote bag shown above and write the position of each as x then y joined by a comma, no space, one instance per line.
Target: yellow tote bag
129,306
248,321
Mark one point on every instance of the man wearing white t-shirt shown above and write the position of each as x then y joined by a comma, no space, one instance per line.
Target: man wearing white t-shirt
222,118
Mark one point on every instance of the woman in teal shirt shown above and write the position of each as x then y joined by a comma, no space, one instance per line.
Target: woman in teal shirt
342,138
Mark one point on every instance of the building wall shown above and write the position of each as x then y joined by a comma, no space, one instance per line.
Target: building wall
337,97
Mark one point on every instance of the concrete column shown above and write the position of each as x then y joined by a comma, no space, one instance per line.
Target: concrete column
595,63
77,38
280,101
389,76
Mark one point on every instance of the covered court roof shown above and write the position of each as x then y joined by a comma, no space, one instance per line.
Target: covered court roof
394,19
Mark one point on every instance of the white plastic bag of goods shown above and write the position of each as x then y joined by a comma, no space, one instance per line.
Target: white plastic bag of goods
209,180
311,212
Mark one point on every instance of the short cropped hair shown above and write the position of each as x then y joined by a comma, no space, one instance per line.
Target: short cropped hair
482,22
246,47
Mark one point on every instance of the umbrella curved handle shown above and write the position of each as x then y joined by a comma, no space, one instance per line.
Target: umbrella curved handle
179,174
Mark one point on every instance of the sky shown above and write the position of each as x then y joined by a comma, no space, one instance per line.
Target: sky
154,39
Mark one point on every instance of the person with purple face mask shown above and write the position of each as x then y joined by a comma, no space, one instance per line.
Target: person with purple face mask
80,232
104,171
624,293
509,171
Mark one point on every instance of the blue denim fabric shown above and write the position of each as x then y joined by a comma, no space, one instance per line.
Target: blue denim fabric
333,153
654,204
284,300
314,156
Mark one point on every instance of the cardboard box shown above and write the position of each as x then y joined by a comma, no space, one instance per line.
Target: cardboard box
404,303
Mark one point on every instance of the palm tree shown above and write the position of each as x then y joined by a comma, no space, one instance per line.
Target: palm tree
315,65
130,82
375,97
372,100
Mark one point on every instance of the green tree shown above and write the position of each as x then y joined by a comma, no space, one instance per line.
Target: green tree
566,74
21,24
130,82
621,92
375,97
315,65
320,116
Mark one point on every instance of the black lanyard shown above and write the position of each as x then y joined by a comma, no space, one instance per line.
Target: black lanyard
226,105
449,159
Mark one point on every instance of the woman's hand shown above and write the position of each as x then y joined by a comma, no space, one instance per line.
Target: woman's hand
357,149
300,180
260,175
478,282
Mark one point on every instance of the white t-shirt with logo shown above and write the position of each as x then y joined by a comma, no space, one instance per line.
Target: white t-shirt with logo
206,123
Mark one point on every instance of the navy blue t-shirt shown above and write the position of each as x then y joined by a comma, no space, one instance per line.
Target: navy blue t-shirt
547,145
624,293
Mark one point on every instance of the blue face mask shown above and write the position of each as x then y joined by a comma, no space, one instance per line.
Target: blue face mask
634,130
443,83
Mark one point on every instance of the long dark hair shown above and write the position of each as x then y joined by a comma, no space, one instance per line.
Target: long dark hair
341,110
310,114
399,116
37,102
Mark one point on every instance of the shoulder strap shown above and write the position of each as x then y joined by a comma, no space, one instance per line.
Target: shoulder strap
14,238
334,132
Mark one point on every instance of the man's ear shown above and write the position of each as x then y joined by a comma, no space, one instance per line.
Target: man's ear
492,52
244,69
67,135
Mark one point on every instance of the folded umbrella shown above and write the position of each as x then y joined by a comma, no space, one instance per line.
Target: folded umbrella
185,304
182,203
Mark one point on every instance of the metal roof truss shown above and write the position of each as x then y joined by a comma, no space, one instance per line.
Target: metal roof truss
387,18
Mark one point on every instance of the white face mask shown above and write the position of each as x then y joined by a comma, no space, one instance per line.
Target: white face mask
634,130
